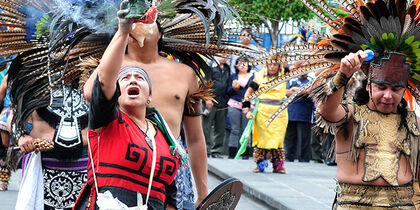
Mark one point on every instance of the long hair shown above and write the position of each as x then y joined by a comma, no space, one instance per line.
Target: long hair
361,97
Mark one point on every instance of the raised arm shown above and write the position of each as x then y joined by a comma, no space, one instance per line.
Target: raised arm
331,109
112,60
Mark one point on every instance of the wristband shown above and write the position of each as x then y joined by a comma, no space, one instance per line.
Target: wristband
254,86
246,104
340,80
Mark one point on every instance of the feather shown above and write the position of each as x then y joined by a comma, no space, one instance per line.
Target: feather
203,93
412,11
340,45
372,7
366,14
335,57
349,6
382,9
324,6
350,26
392,8
407,24
386,25
343,37
321,15
401,10
299,71
374,27
397,24
415,31
365,31
287,102
358,38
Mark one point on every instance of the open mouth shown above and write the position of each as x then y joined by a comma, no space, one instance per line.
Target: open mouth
133,91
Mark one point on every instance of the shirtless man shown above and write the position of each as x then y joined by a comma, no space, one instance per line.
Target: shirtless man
172,83
376,164
66,164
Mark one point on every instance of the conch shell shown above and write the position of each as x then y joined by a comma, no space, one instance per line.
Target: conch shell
141,31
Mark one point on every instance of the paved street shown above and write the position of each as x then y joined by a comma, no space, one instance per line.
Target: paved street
8,198
304,186
245,203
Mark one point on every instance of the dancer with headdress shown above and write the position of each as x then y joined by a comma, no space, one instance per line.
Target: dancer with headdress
176,90
377,138
46,73
268,143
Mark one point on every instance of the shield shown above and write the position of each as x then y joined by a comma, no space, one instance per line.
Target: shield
225,196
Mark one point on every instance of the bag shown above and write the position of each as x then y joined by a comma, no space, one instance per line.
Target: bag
107,202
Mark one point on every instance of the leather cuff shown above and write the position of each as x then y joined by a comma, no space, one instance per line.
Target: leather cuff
340,80
246,104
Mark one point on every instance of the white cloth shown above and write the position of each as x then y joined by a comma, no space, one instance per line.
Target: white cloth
31,191
107,202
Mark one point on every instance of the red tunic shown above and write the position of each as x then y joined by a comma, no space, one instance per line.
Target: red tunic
125,159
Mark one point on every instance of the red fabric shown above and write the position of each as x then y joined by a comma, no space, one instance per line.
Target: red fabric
125,159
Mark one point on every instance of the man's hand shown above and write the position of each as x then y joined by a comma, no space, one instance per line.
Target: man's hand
249,115
352,62
291,90
199,200
209,105
294,89
26,144
124,26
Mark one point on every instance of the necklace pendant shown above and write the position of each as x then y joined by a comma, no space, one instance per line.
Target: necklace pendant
148,141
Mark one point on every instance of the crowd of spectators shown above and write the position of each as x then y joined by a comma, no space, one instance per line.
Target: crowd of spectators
224,121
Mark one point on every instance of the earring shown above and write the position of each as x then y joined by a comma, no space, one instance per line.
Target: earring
148,101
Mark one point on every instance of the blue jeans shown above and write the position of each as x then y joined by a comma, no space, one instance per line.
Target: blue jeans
238,123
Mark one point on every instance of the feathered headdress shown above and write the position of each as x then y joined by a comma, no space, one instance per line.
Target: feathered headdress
391,29
52,43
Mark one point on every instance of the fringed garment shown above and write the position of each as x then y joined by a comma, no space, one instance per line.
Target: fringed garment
359,196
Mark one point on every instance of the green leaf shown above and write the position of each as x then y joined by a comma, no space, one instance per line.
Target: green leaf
364,46
373,40
409,40
415,76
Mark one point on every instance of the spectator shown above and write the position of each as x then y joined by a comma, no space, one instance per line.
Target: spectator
298,134
5,138
238,84
268,143
246,36
217,110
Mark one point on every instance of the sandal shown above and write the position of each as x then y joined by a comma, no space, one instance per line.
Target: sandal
4,186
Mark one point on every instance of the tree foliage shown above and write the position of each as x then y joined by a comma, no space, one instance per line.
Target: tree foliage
275,11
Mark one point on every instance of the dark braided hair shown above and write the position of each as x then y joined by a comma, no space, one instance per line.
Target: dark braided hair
361,97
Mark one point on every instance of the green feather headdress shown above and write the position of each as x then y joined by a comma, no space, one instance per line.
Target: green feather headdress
383,26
